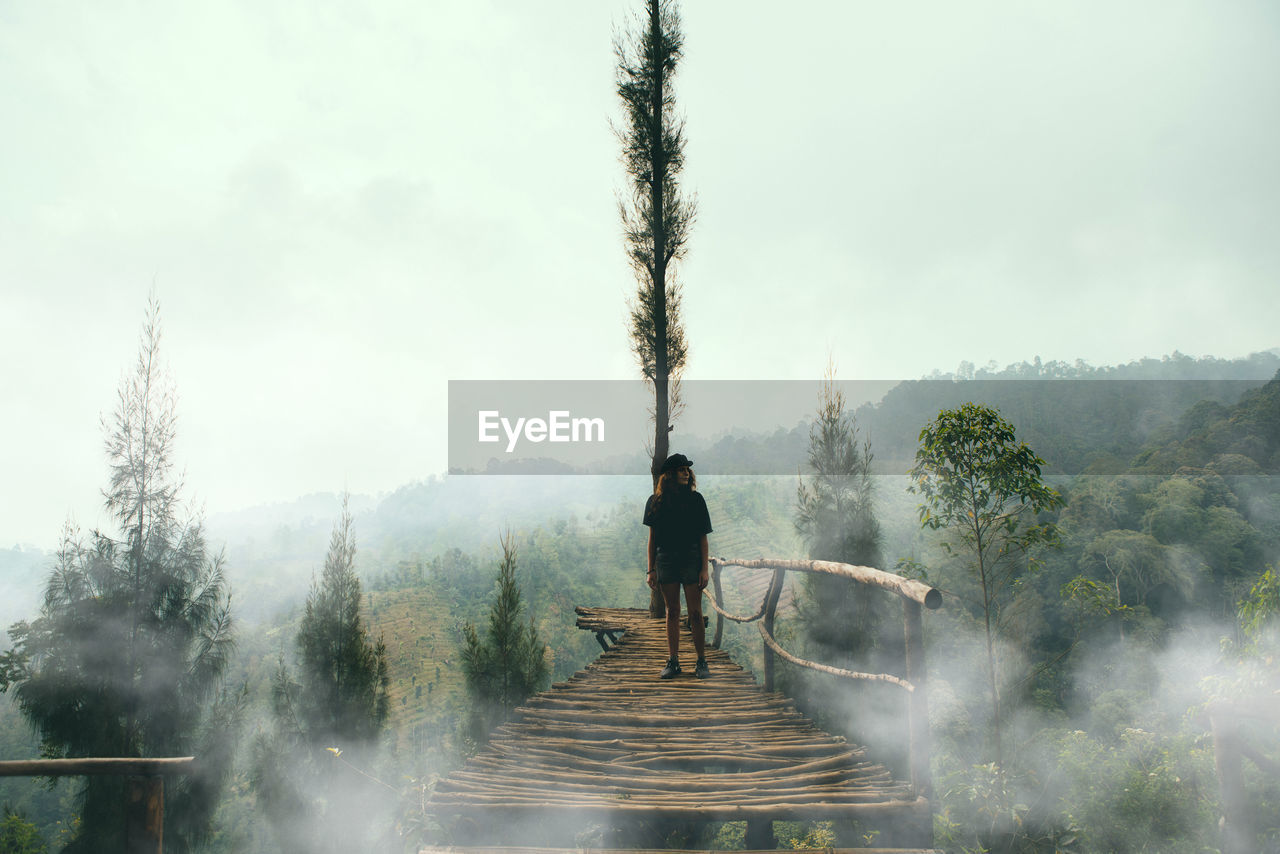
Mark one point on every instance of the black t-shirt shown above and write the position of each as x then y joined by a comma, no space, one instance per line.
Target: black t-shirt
679,520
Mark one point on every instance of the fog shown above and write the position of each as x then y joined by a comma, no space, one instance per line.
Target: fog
378,199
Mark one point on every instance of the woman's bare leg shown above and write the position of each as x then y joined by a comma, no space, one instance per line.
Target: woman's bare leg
693,603
671,594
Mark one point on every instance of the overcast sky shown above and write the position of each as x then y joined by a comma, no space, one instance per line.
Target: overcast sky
342,206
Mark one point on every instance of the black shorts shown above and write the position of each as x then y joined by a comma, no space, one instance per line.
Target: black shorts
681,566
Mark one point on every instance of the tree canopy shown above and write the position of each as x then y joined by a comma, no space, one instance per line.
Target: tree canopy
983,486
510,662
310,775
127,656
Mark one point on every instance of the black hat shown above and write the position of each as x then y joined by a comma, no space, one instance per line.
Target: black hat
676,461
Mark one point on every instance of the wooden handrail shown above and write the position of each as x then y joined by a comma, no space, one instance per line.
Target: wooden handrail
773,644
915,595
129,767
144,809
907,588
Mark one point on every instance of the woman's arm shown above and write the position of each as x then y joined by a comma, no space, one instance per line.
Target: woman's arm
651,577
703,575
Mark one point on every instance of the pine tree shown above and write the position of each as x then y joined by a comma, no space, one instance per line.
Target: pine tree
835,516
656,219
128,654
311,776
344,678
509,663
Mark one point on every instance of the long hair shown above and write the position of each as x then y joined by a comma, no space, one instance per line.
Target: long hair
667,483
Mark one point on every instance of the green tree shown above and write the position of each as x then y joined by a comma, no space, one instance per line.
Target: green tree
510,662
656,218
835,516
19,836
311,776
1133,565
982,485
344,679
128,654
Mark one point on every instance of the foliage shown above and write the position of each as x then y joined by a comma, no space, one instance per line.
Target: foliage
128,653
730,836
342,692
818,834
1142,792
311,773
979,809
834,515
1261,607
983,486
19,836
510,662
656,218
833,507
1241,440
841,622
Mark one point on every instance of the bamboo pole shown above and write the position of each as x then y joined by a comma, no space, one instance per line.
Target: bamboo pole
907,588
771,643
719,597
770,608
918,701
82,767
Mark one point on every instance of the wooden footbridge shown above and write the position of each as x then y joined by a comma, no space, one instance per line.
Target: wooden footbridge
616,757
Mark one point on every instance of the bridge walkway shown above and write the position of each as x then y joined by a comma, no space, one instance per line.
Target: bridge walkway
615,755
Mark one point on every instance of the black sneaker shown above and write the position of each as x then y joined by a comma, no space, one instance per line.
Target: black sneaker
672,670
701,670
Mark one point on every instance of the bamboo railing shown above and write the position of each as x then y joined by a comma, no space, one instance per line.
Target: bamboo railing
914,595
144,820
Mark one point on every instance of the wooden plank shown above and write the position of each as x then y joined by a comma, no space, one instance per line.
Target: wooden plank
613,743
83,767
595,812
455,849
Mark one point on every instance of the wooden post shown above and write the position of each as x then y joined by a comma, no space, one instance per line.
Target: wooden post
759,835
1237,835
917,700
715,585
144,818
770,610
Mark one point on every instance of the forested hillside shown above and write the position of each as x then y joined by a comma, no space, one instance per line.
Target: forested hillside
1114,641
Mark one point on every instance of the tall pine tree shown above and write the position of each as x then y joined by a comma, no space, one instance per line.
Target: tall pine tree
656,218
312,775
510,662
128,653
835,516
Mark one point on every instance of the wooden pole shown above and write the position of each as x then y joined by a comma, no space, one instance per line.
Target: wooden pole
78,767
1237,835
770,611
907,588
144,816
759,835
917,700
716,586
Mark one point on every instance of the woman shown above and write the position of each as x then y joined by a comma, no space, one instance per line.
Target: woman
678,553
